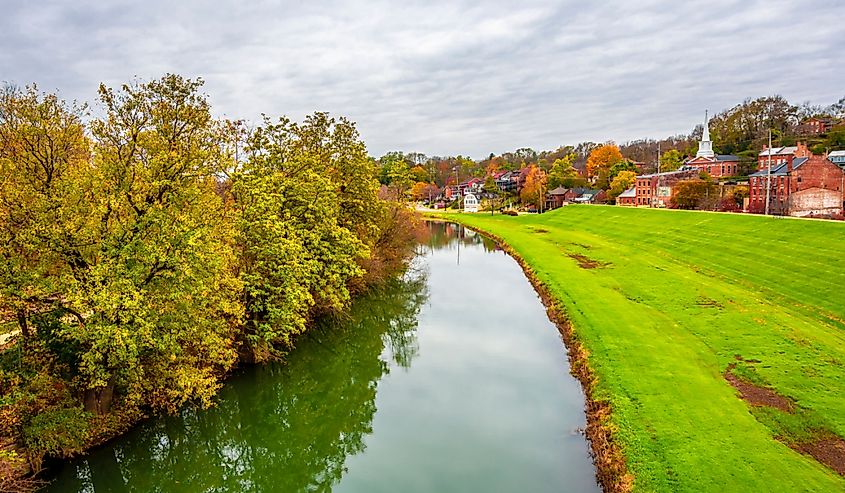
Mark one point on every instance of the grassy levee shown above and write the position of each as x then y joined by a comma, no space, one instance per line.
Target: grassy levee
676,299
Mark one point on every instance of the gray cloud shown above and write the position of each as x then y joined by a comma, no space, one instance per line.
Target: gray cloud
455,77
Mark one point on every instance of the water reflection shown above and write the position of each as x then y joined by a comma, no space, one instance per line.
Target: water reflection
478,398
451,236
276,427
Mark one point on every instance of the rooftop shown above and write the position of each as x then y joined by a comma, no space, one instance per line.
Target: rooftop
668,173
781,169
630,193
779,151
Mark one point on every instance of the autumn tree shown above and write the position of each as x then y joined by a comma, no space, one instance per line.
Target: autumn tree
43,153
420,190
418,174
699,193
133,229
534,189
600,161
299,252
491,190
623,181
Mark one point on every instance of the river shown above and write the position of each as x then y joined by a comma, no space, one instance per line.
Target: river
451,380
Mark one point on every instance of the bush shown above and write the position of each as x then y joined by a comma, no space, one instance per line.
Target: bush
510,212
58,432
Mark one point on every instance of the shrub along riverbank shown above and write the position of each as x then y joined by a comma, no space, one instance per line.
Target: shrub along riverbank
147,252
717,341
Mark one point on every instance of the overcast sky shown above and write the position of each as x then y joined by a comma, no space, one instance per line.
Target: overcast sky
445,78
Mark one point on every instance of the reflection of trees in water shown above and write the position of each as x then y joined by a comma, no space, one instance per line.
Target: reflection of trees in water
277,427
446,235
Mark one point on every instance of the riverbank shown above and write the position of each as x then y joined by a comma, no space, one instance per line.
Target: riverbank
421,386
672,308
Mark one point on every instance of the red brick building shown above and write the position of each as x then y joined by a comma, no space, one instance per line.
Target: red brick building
716,165
782,155
799,186
557,198
628,197
657,188
817,125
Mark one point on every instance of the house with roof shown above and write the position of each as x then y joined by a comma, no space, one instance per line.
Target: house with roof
817,125
508,181
781,155
628,197
656,189
558,197
716,165
837,158
471,202
799,186
590,196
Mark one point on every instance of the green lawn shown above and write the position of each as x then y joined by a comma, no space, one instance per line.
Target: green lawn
682,295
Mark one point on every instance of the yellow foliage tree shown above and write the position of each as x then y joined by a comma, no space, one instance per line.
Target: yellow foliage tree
420,190
623,181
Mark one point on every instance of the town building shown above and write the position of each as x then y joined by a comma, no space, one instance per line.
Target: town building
816,125
837,158
716,165
591,197
628,197
781,155
473,185
507,181
557,198
800,186
471,202
656,189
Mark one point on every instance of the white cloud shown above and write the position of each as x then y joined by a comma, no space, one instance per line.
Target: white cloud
444,77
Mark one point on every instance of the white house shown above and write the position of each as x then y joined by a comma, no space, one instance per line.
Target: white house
470,202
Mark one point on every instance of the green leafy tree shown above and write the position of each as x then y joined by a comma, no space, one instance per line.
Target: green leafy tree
671,160
564,174
623,181
299,252
624,165
126,239
492,192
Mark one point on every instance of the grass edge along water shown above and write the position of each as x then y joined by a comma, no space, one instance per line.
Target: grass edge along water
671,306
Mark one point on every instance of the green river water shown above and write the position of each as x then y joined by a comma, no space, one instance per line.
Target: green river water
450,380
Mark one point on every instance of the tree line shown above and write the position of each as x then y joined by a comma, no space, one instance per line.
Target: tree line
149,250
741,130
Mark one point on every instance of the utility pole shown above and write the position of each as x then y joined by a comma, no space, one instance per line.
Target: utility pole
769,173
657,188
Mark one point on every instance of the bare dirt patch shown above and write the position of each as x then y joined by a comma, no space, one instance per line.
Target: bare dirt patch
758,396
541,230
706,302
585,262
829,450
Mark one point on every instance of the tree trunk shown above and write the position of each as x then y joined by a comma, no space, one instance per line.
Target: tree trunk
23,324
99,400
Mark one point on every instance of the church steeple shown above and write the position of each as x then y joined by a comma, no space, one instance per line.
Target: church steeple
705,146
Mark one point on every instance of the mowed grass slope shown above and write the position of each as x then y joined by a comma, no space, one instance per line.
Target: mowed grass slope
682,296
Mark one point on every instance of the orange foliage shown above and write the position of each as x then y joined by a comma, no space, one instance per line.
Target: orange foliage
602,158
534,188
